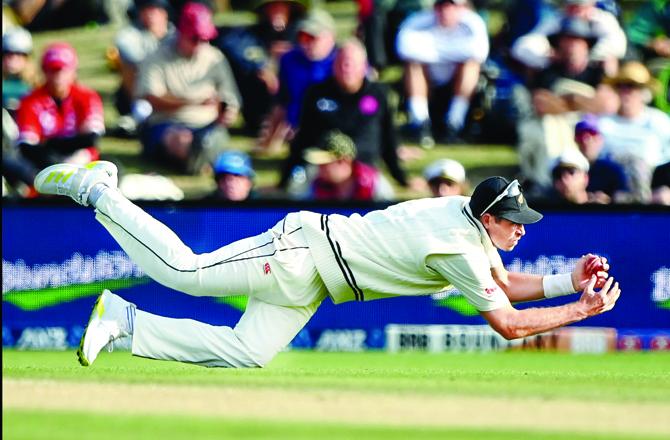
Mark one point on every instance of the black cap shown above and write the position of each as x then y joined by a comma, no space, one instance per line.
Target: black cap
512,207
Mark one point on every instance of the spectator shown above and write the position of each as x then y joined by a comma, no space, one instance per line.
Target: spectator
17,172
521,17
638,135
18,73
254,52
340,176
379,22
351,103
607,178
610,47
443,50
234,176
193,94
649,29
62,120
446,177
309,63
134,43
569,85
660,185
570,178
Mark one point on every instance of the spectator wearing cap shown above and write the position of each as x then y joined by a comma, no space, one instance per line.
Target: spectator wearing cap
18,73
637,135
570,178
234,176
571,84
354,105
443,50
193,93
570,81
254,52
134,43
660,185
607,177
446,177
62,120
340,176
310,62
608,49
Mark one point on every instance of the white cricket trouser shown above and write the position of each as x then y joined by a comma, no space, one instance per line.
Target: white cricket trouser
275,269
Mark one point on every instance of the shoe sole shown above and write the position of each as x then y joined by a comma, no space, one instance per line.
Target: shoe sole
80,352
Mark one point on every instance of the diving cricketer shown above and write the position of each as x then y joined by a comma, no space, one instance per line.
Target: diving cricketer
418,247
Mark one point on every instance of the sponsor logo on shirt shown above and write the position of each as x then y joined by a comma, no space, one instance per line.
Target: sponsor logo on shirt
266,269
368,105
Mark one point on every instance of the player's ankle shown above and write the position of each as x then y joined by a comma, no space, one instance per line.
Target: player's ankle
96,192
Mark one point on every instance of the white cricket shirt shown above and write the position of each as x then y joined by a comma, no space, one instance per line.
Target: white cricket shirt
419,247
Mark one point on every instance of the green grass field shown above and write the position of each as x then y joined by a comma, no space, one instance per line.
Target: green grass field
309,395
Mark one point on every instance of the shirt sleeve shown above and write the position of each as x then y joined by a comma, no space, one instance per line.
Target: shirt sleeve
94,119
471,275
227,87
151,80
129,44
27,120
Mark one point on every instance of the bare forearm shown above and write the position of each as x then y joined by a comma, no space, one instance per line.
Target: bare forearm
530,322
166,102
519,287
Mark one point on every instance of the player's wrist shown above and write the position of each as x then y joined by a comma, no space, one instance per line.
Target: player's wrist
558,285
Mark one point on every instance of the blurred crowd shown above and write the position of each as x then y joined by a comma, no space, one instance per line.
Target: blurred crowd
580,87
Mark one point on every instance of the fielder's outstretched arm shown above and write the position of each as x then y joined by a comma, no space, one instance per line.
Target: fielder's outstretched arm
512,323
520,287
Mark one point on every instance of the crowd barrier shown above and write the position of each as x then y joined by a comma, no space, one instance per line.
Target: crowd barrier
56,259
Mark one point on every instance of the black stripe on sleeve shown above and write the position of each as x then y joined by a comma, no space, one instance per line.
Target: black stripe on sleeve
351,273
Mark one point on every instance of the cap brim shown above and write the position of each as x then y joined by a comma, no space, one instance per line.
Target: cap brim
525,216
317,156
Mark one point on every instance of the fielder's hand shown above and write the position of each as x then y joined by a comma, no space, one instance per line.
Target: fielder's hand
587,266
595,303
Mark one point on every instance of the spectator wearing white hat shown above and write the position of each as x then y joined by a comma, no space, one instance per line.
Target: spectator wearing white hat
446,177
19,75
570,178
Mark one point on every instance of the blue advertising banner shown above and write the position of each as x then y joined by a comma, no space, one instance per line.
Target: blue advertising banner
56,259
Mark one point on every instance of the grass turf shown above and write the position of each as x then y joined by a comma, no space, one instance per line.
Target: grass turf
621,378
20,425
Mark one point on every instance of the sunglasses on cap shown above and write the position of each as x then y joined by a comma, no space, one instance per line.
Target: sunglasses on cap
511,190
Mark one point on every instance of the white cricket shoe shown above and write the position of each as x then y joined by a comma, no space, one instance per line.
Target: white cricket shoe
76,181
112,318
